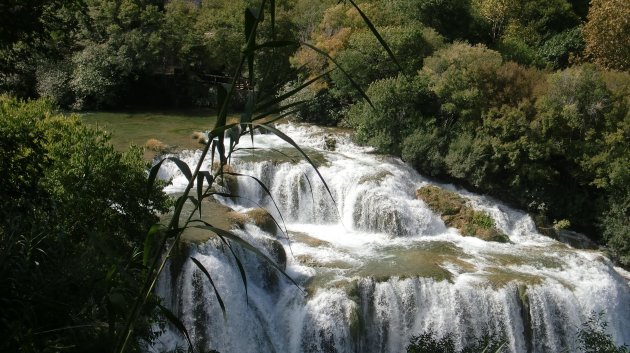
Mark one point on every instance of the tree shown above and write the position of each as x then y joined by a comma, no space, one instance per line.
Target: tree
607,33
496,12
462,77
400,105
72,215
119,40
368,61
30,31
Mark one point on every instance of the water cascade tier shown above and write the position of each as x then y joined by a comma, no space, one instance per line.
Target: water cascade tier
375,265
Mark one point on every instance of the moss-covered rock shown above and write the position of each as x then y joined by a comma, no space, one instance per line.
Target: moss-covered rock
224,177
264,220
501,277
455,212
433,259
220,216
284,155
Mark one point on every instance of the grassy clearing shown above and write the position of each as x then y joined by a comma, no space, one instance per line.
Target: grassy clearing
174,129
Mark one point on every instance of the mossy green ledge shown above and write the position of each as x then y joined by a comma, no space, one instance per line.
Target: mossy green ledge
455,212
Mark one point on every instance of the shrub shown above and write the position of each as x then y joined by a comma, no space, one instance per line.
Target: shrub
593,337
423,149
73,214
462,77
400,105
427,342
53,82
366,59
607,33
559,49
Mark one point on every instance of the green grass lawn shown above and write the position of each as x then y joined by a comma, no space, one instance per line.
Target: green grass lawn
174,128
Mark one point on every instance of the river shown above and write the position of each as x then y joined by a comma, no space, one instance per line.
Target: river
376,266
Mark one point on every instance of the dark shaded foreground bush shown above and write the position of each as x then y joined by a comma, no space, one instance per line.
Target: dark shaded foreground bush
73,214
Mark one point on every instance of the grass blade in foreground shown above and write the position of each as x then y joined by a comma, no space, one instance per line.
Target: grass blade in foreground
216,292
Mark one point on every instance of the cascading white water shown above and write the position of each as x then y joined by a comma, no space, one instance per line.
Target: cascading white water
377,266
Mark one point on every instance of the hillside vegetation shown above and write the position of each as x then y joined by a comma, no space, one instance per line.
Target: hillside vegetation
525,100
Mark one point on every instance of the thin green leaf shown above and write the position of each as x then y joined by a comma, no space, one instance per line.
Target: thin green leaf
232,196
220,131
354,84
241,269
245,245
250,23
183,167
246,117
498,350
111,272
223,93
376,34
199,189
201,176
266,189
279,109
153,174
194,201
252,17
272,11
216,292
177,323
178,210
149,241
281,116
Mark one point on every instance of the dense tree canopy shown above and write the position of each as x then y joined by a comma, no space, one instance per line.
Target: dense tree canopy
495,94
607,33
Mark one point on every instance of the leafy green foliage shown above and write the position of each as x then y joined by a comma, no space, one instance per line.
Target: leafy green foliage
454,19
368,61
559,49
428,342
607,33
72,219
399,105
462,76
554,140
593,337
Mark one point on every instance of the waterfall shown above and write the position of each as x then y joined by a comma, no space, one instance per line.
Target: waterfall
376,266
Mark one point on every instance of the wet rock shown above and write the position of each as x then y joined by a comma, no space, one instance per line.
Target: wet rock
571,238
276,250
330,143
264,220
455,212
223,177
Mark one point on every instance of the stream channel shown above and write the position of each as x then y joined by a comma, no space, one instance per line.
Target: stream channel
375,266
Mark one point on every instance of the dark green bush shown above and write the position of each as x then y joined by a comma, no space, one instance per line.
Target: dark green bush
400,106
73,216
366,59
427,342
557,50
593,337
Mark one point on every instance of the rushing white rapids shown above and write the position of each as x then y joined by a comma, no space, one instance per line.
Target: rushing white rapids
377,266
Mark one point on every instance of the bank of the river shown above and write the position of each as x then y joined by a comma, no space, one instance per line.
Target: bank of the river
173,128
